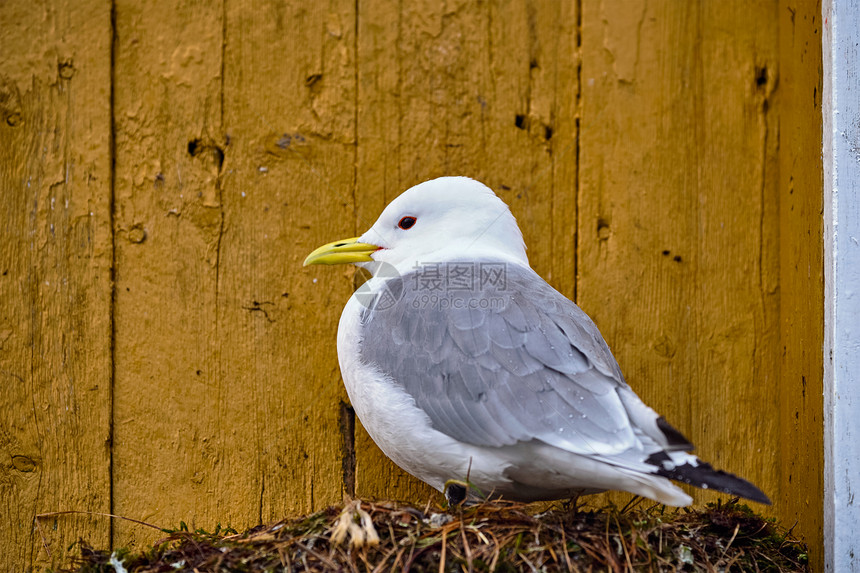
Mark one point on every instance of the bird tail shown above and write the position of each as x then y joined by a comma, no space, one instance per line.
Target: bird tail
689,469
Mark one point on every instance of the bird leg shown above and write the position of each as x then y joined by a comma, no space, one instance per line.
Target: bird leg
456,492
572,504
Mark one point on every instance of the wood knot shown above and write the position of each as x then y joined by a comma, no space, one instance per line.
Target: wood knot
23,464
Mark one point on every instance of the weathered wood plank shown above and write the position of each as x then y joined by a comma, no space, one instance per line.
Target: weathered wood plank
289,180
678,227
801,278
55,290
735,395
468,89
168,458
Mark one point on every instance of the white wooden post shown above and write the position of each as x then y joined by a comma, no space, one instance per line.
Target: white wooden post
841,139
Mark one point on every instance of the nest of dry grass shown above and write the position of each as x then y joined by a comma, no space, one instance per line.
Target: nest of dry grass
386,536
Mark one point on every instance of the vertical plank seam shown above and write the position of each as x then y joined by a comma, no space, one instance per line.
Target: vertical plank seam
218,180
578,141
262,492
33,300
400,103
491,77
348,457
34,297
553,118
355,116
698,295
219,190
760,347
223,74
113,292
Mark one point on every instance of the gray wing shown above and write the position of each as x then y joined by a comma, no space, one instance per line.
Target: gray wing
507,362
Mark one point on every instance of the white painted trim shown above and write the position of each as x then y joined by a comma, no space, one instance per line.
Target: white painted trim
841,140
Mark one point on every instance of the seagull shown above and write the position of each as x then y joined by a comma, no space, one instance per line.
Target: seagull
473,374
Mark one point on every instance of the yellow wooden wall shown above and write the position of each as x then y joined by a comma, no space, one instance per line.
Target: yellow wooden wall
165,167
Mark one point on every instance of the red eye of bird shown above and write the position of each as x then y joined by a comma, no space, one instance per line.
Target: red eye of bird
406,222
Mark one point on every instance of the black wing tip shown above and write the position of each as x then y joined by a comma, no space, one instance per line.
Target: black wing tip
734,485
759,497
676,440
705,476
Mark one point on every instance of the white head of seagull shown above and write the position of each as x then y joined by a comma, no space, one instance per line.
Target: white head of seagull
444,219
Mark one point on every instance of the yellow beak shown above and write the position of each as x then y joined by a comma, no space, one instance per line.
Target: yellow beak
341,252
